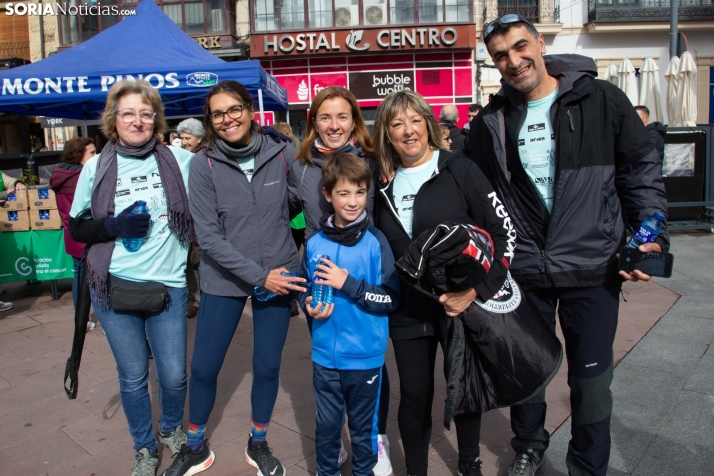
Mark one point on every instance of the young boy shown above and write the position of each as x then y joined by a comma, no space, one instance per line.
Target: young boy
349,336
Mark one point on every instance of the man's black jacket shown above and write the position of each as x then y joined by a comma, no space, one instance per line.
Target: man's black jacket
656,131
606,169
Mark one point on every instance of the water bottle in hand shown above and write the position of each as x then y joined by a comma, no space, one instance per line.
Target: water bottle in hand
262,294
647,232
133,244
320,292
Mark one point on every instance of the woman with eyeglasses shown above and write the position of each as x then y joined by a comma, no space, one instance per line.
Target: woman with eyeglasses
135,166
239,200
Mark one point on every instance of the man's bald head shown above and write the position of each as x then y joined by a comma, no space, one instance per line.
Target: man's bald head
449,113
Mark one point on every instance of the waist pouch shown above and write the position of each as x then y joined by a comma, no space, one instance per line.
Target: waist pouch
130,296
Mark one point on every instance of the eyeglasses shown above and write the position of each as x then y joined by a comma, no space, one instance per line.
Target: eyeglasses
506,19
129,116
234,112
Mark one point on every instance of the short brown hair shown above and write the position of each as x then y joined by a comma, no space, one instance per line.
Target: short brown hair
148,94
345,166
360,130
73,151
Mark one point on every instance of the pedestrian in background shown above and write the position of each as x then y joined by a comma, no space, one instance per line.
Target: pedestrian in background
655,130
191,133
239,200
567,203
134,165
63,182
449,116
336,125
445,137
474,109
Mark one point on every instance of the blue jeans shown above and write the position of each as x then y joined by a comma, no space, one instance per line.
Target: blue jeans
166,331
77,280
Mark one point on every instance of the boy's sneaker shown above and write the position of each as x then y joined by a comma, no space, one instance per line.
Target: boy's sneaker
260,456
174,440
5,306
146,463
470,467
342,457
384,464
527,462
188,463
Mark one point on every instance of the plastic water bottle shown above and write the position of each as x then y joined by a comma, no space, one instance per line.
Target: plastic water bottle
133,244
647,232
320,292
262,294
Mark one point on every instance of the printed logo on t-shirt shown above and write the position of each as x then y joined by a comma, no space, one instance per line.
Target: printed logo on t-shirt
408,198
121,193
544,180
163,217
158,185
118,182
140,189
407,209
139,179
155,174
248,172
536,127
537,139
506,299
521,142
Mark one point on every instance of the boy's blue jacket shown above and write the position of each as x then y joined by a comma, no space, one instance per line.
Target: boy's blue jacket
355,336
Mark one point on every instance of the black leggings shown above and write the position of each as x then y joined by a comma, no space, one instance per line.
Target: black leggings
415,362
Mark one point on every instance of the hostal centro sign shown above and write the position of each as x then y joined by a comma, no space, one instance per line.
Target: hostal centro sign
364,40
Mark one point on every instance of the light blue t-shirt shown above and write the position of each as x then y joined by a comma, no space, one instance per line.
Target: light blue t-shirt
162,257
247,165
407,183
536,146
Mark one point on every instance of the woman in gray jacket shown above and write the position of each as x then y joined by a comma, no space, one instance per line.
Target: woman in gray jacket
239,197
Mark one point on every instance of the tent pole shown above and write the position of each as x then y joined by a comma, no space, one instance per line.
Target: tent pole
288,116
260,105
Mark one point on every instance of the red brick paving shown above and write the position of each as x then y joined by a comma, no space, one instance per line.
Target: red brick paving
44,433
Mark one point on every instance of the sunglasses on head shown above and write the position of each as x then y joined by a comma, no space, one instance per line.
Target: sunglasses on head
506,19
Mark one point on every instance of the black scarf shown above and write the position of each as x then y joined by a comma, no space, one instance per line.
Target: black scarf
100,255
349,235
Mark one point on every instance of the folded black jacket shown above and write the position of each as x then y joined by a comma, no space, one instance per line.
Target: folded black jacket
498,353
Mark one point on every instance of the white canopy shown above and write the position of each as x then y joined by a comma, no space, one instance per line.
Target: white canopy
673,107
687,90
611,74
650,95
627,81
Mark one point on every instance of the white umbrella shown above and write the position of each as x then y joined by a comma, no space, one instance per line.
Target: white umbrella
673,109
627,81
650,95
611,74
687,90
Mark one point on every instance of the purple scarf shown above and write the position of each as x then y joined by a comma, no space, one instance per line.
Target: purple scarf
100,255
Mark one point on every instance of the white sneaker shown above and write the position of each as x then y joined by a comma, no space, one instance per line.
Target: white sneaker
384,465
343,454
90,325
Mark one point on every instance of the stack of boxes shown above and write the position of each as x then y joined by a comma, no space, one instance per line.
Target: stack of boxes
42,213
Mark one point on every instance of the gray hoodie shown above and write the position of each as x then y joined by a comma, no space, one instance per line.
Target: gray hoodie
243,227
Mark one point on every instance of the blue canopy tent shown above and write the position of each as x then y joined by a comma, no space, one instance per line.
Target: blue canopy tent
74,83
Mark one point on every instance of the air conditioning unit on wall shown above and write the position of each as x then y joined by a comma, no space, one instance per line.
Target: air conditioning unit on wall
347,16
375,14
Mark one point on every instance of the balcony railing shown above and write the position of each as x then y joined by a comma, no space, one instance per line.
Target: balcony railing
607,11
15,49
543,11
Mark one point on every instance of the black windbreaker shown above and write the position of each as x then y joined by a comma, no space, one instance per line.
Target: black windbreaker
606,170
458,189
497,353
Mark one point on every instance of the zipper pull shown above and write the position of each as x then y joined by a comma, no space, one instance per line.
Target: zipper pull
570,119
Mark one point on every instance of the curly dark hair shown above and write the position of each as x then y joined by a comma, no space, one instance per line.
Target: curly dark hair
74,150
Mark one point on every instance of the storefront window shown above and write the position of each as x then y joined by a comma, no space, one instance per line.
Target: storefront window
276,15
320,13
193,16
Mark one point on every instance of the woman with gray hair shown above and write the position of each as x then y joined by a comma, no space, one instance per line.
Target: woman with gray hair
191,133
